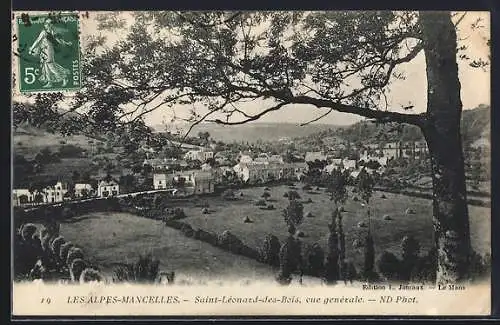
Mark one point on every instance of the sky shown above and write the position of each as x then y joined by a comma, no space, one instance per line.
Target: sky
475,83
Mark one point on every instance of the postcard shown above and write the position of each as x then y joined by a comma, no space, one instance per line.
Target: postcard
237,163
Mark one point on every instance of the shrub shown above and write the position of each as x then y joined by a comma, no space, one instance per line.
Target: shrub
174,223
260,203
314,260
409,211
249,252
270,250
27,231
426,267
351,272
76,269
56,245
389,266
290,259
293,213
178,213
229,241
187,230
168,276
64,250
91,275
73,253
410,254
205,236
145,270
369,259
45,242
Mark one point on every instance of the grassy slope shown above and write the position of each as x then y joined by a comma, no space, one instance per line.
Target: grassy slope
108,239
387,234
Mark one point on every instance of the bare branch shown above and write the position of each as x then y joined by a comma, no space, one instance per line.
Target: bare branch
317,118
252,117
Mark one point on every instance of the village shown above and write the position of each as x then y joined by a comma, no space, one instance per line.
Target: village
215,169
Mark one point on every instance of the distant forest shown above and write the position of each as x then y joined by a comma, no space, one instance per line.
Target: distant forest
475,124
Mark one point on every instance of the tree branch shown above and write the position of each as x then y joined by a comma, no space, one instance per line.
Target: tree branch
251,117
382,116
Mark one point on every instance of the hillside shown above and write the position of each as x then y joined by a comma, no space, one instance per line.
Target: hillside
475,126
28,140
253,132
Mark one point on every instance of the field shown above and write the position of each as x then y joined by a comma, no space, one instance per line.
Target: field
111,238
108,239
29,141
387,234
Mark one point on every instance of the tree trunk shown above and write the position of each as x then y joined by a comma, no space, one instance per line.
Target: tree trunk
442,132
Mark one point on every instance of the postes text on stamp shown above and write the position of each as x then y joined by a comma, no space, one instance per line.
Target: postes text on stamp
49,52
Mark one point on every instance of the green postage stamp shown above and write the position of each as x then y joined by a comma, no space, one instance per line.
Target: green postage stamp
49,52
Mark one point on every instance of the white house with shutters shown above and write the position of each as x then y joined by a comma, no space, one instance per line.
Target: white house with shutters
108,188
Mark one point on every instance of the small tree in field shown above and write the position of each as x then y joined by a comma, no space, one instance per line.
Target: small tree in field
410,253
365,186
266,195
369,258
293,195
332,257
337,187
293,215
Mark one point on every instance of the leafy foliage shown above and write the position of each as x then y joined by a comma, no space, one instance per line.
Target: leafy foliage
293,213
365,186
145,270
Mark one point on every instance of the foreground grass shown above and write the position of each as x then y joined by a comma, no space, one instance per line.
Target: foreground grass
109,239
387,234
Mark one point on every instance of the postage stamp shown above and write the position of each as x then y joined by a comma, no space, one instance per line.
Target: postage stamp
49,52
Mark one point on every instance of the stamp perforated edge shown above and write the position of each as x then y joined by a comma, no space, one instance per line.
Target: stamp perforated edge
15,86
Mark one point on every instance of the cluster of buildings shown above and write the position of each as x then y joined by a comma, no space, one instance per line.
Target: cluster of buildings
62,191
250,168
265,168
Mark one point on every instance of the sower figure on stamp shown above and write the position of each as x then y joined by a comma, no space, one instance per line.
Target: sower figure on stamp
43,47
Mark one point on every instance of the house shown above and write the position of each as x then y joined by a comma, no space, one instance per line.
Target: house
315,155
296,170
50,194
56,193
160,181
107,188
83,190
349,164
245,159
201,155
354,174
24,196
392,150
189,182
204,182
276,159
165,164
